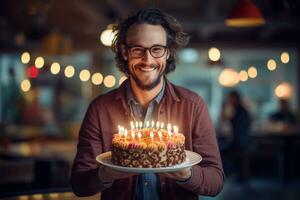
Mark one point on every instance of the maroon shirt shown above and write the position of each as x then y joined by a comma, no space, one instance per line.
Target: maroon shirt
180,107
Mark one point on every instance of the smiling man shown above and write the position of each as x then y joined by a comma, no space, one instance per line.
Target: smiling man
145,48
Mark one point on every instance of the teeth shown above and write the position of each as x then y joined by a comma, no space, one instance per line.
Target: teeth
147,69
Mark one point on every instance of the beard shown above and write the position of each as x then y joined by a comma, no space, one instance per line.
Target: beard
141,84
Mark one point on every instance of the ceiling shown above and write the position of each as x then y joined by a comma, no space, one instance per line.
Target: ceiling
24,24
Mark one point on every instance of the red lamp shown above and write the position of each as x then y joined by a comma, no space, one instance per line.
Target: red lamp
245,14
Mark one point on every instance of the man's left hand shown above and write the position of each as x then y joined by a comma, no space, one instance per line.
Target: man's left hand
181,175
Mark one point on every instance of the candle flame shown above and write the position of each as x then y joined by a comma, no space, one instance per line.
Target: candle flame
169,127
159,135
147,124
175,128
152,124
132,125
151,135
162,125
157,125
141,124
136,125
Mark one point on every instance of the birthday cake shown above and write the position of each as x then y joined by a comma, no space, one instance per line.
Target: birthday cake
148,147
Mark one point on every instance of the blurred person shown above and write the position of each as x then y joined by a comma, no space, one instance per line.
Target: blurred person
12,100
283,114
235,151
145,47
240,122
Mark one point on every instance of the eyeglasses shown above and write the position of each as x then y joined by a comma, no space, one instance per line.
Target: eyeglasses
156,51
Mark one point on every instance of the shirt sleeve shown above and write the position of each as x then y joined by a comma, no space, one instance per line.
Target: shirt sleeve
208,175
84,174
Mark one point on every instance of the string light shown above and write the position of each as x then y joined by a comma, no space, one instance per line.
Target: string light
25,57
39,62
109,81
84,75
69,71
55,68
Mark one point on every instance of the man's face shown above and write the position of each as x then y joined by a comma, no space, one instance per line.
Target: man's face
146,71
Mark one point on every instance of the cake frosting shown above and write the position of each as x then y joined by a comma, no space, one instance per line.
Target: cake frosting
148,148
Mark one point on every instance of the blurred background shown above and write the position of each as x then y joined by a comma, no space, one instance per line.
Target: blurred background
243,59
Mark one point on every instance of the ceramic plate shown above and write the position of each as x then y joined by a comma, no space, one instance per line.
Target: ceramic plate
192,158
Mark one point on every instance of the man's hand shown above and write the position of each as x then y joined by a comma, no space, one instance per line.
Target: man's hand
108,175
181,175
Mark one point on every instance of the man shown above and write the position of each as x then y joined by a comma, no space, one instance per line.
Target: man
145,47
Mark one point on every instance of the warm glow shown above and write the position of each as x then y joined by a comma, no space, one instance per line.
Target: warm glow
24,149
37,196
122,79
284,90
245,22
271,64
23,197
55,68
84,75
39,62
214,54
97,78
69,71
229,77
285,57
243,75
25,57
107,37
252,72
25,85
109,81
53,195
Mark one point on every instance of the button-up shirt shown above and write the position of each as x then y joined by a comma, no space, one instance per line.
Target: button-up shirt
178,106
147,187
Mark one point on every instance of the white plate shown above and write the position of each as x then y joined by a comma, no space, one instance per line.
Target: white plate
192,158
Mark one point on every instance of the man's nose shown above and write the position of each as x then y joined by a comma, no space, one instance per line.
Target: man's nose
147,58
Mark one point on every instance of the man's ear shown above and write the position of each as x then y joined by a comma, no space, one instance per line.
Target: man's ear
124,52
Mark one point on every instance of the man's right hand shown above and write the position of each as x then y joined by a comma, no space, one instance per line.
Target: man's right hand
109,175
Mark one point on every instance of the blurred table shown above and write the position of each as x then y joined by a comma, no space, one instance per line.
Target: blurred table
52,149
288,138
53,196
40,164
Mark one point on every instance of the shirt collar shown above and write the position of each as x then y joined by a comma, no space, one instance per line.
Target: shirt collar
131,99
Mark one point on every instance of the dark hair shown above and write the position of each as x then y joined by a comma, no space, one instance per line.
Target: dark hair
235,94
176,38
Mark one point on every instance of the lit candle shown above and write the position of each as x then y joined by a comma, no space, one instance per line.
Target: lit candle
141,125
125,134
121,131
136,125
159,135
157,125
132,135
151,136
169,127
152,124
162,125
175,129
147,124
132,125
139,136
119,127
